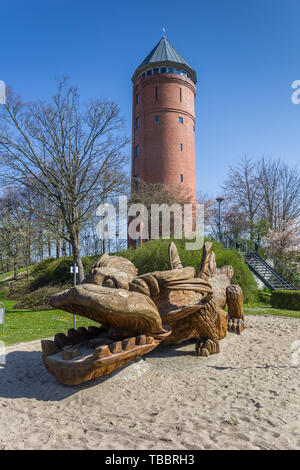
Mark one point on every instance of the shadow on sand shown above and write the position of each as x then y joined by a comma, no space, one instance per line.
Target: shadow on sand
24,375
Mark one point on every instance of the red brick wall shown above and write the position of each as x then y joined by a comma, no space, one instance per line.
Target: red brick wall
160,159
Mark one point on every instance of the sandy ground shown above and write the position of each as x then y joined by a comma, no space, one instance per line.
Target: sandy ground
247,397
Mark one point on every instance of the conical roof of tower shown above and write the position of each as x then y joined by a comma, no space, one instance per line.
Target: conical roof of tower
165,54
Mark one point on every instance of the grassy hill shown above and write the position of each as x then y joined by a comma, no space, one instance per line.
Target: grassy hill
52,275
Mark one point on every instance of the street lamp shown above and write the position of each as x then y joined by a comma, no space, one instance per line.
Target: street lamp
219,200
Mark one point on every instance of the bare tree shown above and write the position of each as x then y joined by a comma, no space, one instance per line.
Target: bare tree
209,207
243,189
71,155
281,192
18,228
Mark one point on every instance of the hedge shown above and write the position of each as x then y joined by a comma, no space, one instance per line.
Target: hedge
286,299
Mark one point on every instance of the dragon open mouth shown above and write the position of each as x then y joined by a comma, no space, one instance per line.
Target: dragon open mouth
130,327
84,354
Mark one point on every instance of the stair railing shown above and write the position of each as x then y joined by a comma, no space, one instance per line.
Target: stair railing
291,279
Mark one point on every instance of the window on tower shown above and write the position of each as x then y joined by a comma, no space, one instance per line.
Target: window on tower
181,178
181,147
156,94
137,150
137,122
180,120
156,118
137,98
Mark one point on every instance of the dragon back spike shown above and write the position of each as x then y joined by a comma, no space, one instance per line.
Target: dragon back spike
175,261
208,262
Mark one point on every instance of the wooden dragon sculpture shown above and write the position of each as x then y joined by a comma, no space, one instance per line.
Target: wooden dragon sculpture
137,313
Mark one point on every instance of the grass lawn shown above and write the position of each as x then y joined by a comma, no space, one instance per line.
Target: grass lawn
262,309
29,325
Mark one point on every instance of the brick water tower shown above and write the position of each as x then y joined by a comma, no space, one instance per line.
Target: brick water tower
163,120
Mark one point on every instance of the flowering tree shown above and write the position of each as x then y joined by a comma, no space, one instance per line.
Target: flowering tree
284,243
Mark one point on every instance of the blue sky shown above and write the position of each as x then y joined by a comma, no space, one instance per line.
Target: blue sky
245,53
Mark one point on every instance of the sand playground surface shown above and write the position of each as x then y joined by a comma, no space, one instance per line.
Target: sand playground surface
246,397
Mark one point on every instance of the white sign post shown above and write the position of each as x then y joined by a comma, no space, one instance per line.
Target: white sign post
74,270
2,315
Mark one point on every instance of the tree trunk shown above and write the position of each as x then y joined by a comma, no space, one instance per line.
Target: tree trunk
252,228
63,248
15,270
49,245
75,242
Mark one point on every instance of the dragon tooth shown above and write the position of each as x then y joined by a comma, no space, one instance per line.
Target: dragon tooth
49,347
115,347
128,343
69,352
101,351
94,331
61,340
74,336
140,340
83,333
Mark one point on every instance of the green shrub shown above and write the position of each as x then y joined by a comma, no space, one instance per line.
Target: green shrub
57,271
39,299
39,268
286,299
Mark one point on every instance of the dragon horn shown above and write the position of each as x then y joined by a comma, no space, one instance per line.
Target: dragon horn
175,261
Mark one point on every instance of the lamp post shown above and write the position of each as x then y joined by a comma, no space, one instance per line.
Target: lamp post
219,201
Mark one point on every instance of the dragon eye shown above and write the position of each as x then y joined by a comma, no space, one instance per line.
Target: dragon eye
109,282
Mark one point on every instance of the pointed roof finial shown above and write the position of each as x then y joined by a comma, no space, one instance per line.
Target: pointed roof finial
164,33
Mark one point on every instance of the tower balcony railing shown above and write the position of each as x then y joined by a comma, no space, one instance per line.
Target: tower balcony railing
158,70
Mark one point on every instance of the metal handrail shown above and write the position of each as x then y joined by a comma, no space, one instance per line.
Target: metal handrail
277,261
266,264
270,267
